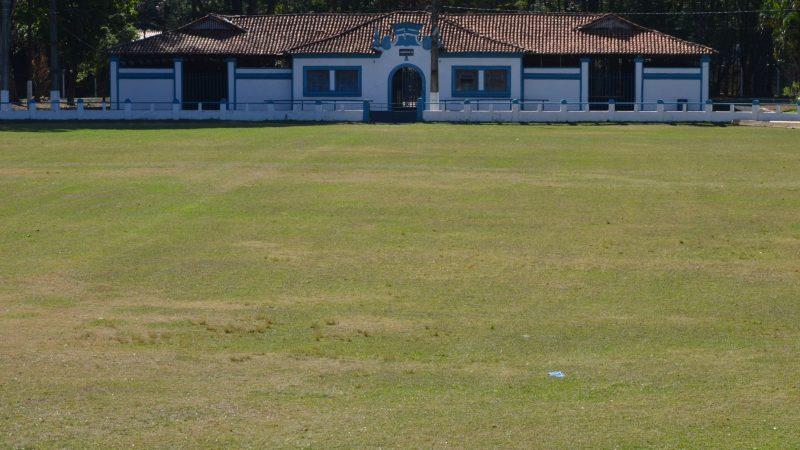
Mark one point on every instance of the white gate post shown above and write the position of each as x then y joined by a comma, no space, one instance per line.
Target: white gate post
705,63
639,80
177,75
231,63
113,67
585,83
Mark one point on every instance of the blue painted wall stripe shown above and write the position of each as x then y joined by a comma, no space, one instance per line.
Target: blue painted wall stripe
145,76
672,76
264,76
553,76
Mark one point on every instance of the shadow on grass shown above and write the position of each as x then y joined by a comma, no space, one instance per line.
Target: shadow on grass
59,126
65,126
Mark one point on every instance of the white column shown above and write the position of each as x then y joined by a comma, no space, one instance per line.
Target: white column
231,82
705,65
113,67
639,76
177,68
585,83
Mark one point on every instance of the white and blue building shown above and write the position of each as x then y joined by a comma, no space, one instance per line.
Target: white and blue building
384,63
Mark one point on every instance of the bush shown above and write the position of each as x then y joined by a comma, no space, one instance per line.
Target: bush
793,90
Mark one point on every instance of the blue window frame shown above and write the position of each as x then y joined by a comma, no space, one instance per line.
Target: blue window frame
481,81
346,81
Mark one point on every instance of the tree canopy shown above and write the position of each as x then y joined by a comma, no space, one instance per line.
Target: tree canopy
758,40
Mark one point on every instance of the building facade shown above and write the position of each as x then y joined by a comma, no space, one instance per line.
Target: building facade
341,61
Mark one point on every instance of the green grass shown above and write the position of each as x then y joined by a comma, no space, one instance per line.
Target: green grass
399,286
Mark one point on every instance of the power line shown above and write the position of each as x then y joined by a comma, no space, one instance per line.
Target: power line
626,13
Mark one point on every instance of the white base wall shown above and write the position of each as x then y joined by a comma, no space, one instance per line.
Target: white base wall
146,85
552,85
672,85
256,87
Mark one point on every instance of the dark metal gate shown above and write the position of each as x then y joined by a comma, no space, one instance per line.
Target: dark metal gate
406,89
206,84
612,78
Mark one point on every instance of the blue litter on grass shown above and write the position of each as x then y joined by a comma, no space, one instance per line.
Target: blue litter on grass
556,374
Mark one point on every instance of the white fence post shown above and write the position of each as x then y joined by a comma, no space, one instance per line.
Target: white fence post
612,105
176,109
80,108
756,108
515,108
709,106
4,101
31,109
128,109
563,107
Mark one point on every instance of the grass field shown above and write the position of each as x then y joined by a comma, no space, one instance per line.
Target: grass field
399,286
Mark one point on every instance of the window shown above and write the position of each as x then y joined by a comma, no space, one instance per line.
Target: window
496,81
466,80
346,81
482,81
318,81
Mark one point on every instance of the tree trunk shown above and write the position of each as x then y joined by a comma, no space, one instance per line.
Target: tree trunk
5,44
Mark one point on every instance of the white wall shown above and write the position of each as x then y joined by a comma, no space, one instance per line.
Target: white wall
669,87
374,73
147,90
553,89
255,87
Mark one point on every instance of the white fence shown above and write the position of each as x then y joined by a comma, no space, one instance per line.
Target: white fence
546,112
268,111
449,111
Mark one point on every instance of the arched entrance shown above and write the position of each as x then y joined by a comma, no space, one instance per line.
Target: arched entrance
406,87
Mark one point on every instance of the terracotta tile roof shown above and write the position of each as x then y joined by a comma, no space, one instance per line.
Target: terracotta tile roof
262,35
580,34
360,39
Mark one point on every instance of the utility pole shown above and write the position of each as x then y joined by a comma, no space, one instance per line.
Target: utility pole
5,49
434,55
55,72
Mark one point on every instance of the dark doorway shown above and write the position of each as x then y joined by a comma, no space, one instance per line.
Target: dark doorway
612,78
406,89
204,82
